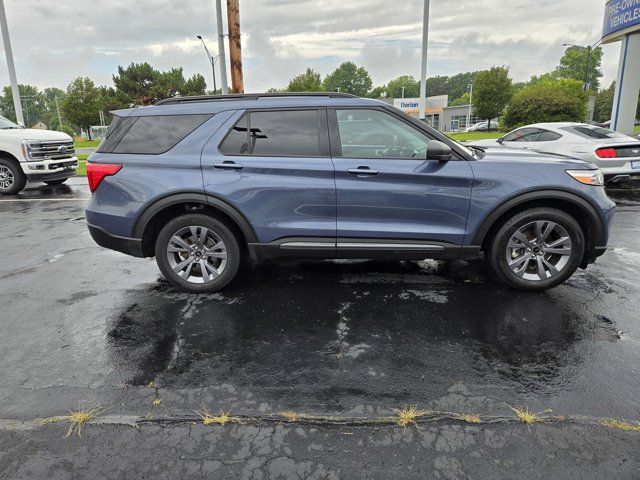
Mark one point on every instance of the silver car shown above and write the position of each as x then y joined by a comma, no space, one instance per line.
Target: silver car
618,155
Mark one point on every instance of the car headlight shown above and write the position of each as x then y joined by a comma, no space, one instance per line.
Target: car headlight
588,177
29,147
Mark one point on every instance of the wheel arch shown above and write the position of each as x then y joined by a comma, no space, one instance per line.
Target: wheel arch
156,215
577,206
9,156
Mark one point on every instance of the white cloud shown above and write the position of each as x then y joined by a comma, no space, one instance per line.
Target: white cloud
57,41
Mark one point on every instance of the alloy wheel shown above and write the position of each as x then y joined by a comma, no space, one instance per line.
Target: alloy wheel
197,254
6,177
539,250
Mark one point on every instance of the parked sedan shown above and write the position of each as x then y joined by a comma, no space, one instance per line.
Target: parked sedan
618,155
480,126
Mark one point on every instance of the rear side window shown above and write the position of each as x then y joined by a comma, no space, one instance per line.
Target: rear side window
547,136
286,133
117,128
157,134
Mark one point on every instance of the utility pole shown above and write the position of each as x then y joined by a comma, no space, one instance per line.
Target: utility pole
10,66
423,66
59,117
235,52
221,54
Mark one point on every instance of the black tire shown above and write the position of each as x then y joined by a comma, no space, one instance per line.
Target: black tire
218,229
12,176
52,183
496,252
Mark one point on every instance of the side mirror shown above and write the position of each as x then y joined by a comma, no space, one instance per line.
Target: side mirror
500,140
439,151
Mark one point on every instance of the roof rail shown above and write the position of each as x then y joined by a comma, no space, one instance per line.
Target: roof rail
251,96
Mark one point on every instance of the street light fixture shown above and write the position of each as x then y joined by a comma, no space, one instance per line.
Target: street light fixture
212,60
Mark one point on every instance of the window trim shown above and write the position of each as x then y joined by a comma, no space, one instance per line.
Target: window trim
138,117
323,132
336,143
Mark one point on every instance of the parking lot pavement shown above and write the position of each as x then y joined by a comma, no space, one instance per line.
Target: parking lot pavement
337,344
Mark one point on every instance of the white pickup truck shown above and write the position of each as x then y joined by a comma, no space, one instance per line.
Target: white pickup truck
33,155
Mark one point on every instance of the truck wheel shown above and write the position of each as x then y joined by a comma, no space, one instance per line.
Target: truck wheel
536,249
197,253
12,178
56,182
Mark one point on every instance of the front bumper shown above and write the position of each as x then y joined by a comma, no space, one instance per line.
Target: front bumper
50,169
130,246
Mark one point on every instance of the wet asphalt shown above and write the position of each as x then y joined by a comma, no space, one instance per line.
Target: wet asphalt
343,341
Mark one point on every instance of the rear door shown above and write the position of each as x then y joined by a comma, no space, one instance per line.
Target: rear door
387,191
274,166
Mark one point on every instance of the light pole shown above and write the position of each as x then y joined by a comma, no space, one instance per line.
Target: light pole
423,65
213,62
10,66
470,103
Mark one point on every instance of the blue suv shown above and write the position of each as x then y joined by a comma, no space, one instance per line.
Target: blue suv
202,183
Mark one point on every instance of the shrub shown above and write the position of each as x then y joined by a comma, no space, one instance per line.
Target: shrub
547,100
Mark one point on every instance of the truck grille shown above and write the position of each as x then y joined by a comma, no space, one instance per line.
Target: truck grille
51,150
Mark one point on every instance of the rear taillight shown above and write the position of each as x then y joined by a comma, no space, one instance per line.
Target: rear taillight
607,152
97,171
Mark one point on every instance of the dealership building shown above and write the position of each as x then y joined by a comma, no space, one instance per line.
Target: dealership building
438,113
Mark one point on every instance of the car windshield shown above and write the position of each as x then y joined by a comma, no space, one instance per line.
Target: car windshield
591,132
5,124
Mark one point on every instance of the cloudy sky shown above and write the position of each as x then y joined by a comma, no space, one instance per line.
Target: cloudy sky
55,41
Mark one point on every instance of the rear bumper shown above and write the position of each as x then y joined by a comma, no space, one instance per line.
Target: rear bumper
130,246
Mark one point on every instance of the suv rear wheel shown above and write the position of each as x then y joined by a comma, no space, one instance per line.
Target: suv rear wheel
197,253
536,249
12,178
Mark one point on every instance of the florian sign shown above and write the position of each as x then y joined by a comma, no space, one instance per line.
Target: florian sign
621,17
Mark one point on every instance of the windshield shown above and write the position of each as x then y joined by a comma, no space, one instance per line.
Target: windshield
591,132
5,123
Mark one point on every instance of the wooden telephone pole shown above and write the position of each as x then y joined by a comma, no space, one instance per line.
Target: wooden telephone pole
235,53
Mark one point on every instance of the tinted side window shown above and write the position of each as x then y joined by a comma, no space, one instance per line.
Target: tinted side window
117,128
523,135
547,136
157,134
287,133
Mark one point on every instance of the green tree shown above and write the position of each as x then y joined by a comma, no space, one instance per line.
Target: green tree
458,84
547,100
465,99
437,85
141,84
378,92
604,103
33,104
410,84
348,78
82,104
581,64
492,90
309,81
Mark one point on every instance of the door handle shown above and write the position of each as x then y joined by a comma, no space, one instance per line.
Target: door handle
362,171
228,165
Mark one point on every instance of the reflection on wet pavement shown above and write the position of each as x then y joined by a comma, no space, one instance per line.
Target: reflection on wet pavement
321,337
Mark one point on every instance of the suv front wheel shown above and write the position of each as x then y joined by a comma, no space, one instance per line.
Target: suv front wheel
197,253
536,249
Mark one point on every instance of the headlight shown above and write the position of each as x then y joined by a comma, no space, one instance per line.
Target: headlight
31,147
588,177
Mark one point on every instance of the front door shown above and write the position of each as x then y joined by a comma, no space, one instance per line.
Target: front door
275,167
388,193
